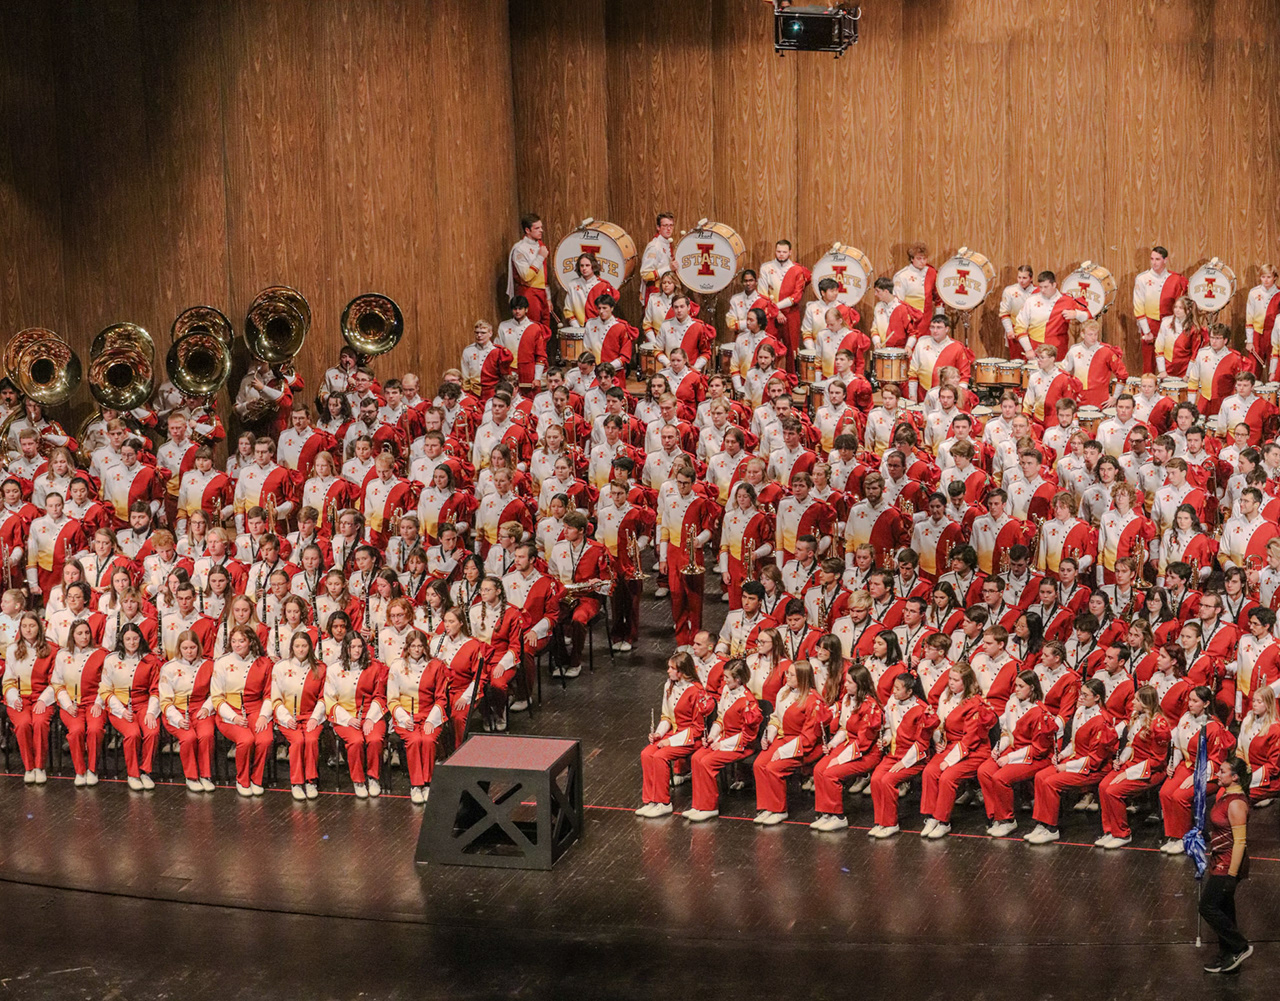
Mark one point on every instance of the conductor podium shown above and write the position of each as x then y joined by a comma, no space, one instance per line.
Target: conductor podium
511,802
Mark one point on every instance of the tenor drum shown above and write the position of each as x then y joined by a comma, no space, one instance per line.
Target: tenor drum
1211,286
850,267
890,364
1176,389
981,414
986,371
965,280
607,242
708,257
1133,384
1028,370
1089,418
1270,392
648,359
1092,283
724,358
571,340
807,366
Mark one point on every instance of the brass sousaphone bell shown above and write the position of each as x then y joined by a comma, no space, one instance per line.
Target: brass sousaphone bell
122,363
42,366
199,359
372,324
276,324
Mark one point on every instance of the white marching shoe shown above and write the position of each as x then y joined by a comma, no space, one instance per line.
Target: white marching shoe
1116,842
135,783
80,781
697,816
147,782
773,819
940,831
1173,847
1002,828
29,777
374,788
1088,803
312,791
660,810
208,785
256,789
1041,835
91,778
41,777
880,831
929,825
361,791
193,785
298,793
415,796
243,790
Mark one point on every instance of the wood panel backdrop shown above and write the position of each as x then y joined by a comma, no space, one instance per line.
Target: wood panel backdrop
156,155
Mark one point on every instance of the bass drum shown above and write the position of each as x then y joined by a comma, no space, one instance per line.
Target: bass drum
607,242
1211,286
850,267
965,280
709,256
1094,284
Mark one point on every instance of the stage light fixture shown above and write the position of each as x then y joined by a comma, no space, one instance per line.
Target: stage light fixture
814,29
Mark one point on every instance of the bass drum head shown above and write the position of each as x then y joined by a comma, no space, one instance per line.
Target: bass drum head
965,280
1093,286
1211,286
708,259
851,268
609,244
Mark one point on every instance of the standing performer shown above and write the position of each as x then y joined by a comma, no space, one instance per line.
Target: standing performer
783,281
685,519
1211,378
1228,864
1011,302
1260,327
1093,364
1154,292
916,284
1044,317
527,270
657,260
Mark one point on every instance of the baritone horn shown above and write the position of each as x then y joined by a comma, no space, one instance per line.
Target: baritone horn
276,324
122,366
372,324
199,359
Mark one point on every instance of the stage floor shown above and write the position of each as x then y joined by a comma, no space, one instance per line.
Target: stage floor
109,893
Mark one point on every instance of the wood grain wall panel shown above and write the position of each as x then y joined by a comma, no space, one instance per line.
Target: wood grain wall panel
31,277
849,152
755,131
559,90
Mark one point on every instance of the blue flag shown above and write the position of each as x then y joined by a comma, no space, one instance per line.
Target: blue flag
1193,840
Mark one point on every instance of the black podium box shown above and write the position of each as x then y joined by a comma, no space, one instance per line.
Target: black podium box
511,802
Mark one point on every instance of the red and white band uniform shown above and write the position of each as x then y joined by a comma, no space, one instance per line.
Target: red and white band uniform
1261,311
26,682
893,325
1252,410
685,705
691,335
257,485
50,544
297,450
240,689
130,692
854,750
1028,738
538,598
1082,762
1042,320
527,276
928,356
794,735
187,711
909,725
497,626
1177,344
783,283
176,459
992,537
881,525
682,520
1259,745
933,539
656,261
483,367
123,485
1140,766
1178,790
297,699
1061,539
210,491
744,537
418,697
1211,377
797,518
384,501
356,701
731,738
995,676
918,289
526,341
963,744
1044,390
1011,302
1094,366
1154,294
74,685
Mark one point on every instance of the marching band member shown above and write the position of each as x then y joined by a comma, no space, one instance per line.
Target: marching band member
1044,317
793,733
484,363
240,692
684,517
1176,792
894,322
130,693
417,693
962,746
1065,536
29,663
355,695
908,736
933,353
730,738
1180,338
527,269
783,282
1093,364
1261,311
74,686
1028,737
1011,301
685,705
51,540
297,697
853,751
526,341
1154,293
1259,746
686,332
1138,767
186,709
657,259
1212,374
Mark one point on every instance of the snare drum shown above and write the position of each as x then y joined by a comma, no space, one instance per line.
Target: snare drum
1176,389
708,257
607,242
1094,284
724,358
1089,418
648,359
986,372
1028,370
890,364
806,366
571,340
966,279
850,267
1270,391
1211,286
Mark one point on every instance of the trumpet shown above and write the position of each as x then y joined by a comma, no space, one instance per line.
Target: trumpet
570,430
271,510
749,562
636,572
694,566
333,516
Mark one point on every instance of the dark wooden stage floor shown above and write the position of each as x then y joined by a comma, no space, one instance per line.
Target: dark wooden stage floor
112,894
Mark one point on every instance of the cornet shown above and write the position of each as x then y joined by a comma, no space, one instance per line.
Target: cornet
633,552
694,566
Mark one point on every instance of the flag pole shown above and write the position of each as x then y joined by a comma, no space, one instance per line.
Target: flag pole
1199,890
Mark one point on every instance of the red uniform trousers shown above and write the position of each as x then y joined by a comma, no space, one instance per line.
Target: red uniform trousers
573,620
419,753
31,730
829,779
1226,700
84,736
251,750
1175,803
686,602
655,765
364,753
304,752
997,782
1113,790
138,737
788,325
1149,350
170,511
529,657
626,611
496,691
706,766
884,789
938,794
540,308
195,746
1048,792
771,776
